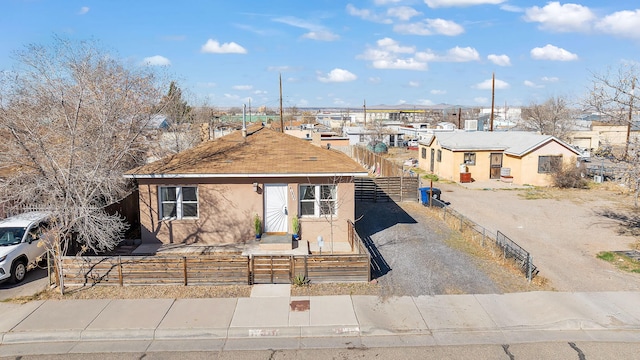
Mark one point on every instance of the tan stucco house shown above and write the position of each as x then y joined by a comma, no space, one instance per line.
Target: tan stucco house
518,157
210,194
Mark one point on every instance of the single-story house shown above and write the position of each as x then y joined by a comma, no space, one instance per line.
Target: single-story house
518,157
210,194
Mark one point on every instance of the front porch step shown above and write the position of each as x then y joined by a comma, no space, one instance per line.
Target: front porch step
276,242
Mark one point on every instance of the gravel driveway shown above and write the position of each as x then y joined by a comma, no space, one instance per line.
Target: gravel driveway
410,254
563,233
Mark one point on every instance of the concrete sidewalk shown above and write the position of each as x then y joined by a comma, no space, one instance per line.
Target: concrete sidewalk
273,316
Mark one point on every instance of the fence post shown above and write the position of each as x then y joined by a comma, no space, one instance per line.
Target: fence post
483,235
184,269
49,266
461,223
529,267
120,280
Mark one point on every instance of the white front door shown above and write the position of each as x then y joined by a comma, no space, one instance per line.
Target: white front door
275,208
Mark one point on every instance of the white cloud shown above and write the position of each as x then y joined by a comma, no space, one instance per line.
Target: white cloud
438,92
550,52
430,27
375,80
456,54
393,46
481,100
242,87
366,14
403,13
83,10
561,18
387,55
385,2
452,3
338,75
214,47
414,84
231,97
425,102
260,92
487,85
208,84
621,23
400,64
316,32
549,79
156,60
321,36
500,60
531,84
511,8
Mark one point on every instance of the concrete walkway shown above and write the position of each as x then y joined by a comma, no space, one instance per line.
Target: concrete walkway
273,319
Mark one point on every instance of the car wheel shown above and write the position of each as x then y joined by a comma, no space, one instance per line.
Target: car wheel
18,271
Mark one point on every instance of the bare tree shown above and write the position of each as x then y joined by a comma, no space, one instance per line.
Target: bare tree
181,132
553,117
613,96
72,118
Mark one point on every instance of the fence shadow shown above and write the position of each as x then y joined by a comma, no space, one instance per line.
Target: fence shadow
373,218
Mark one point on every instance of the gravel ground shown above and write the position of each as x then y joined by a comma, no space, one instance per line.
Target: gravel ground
417,254
563,230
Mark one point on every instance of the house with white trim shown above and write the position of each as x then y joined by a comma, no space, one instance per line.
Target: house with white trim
210,194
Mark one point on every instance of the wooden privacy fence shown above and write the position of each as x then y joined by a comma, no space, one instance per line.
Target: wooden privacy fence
213,269
375,163
385,189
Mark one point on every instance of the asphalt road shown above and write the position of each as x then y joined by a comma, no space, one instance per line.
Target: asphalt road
410,255
542,350
34,282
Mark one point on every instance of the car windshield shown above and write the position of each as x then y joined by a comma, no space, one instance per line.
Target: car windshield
11,236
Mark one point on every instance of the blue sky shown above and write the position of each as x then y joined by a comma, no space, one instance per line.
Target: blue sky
338,54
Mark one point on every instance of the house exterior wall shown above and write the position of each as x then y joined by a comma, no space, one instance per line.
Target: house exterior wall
529,164
227,208
524,170
612,135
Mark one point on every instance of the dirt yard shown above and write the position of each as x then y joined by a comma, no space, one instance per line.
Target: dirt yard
562,229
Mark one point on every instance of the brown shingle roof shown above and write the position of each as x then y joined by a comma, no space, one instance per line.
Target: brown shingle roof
262,152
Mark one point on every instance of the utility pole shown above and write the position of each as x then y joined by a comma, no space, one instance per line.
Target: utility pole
281,118
631,97
364,107
493,98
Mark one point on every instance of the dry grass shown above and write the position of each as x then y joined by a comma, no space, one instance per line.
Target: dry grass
503,272
192,292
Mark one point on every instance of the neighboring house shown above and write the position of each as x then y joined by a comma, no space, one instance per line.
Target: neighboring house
211,193
525,158
358,135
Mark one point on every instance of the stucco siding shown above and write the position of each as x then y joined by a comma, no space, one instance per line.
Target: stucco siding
227,208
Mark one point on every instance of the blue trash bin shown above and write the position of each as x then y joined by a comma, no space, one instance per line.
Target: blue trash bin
426,191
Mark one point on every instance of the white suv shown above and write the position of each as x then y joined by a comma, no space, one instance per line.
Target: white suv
19,239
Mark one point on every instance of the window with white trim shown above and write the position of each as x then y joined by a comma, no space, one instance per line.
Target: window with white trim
318,200
178,202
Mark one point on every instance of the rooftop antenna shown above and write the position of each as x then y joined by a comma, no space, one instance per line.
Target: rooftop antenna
244,120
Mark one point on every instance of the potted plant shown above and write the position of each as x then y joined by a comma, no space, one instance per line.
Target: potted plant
295,224
257,226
